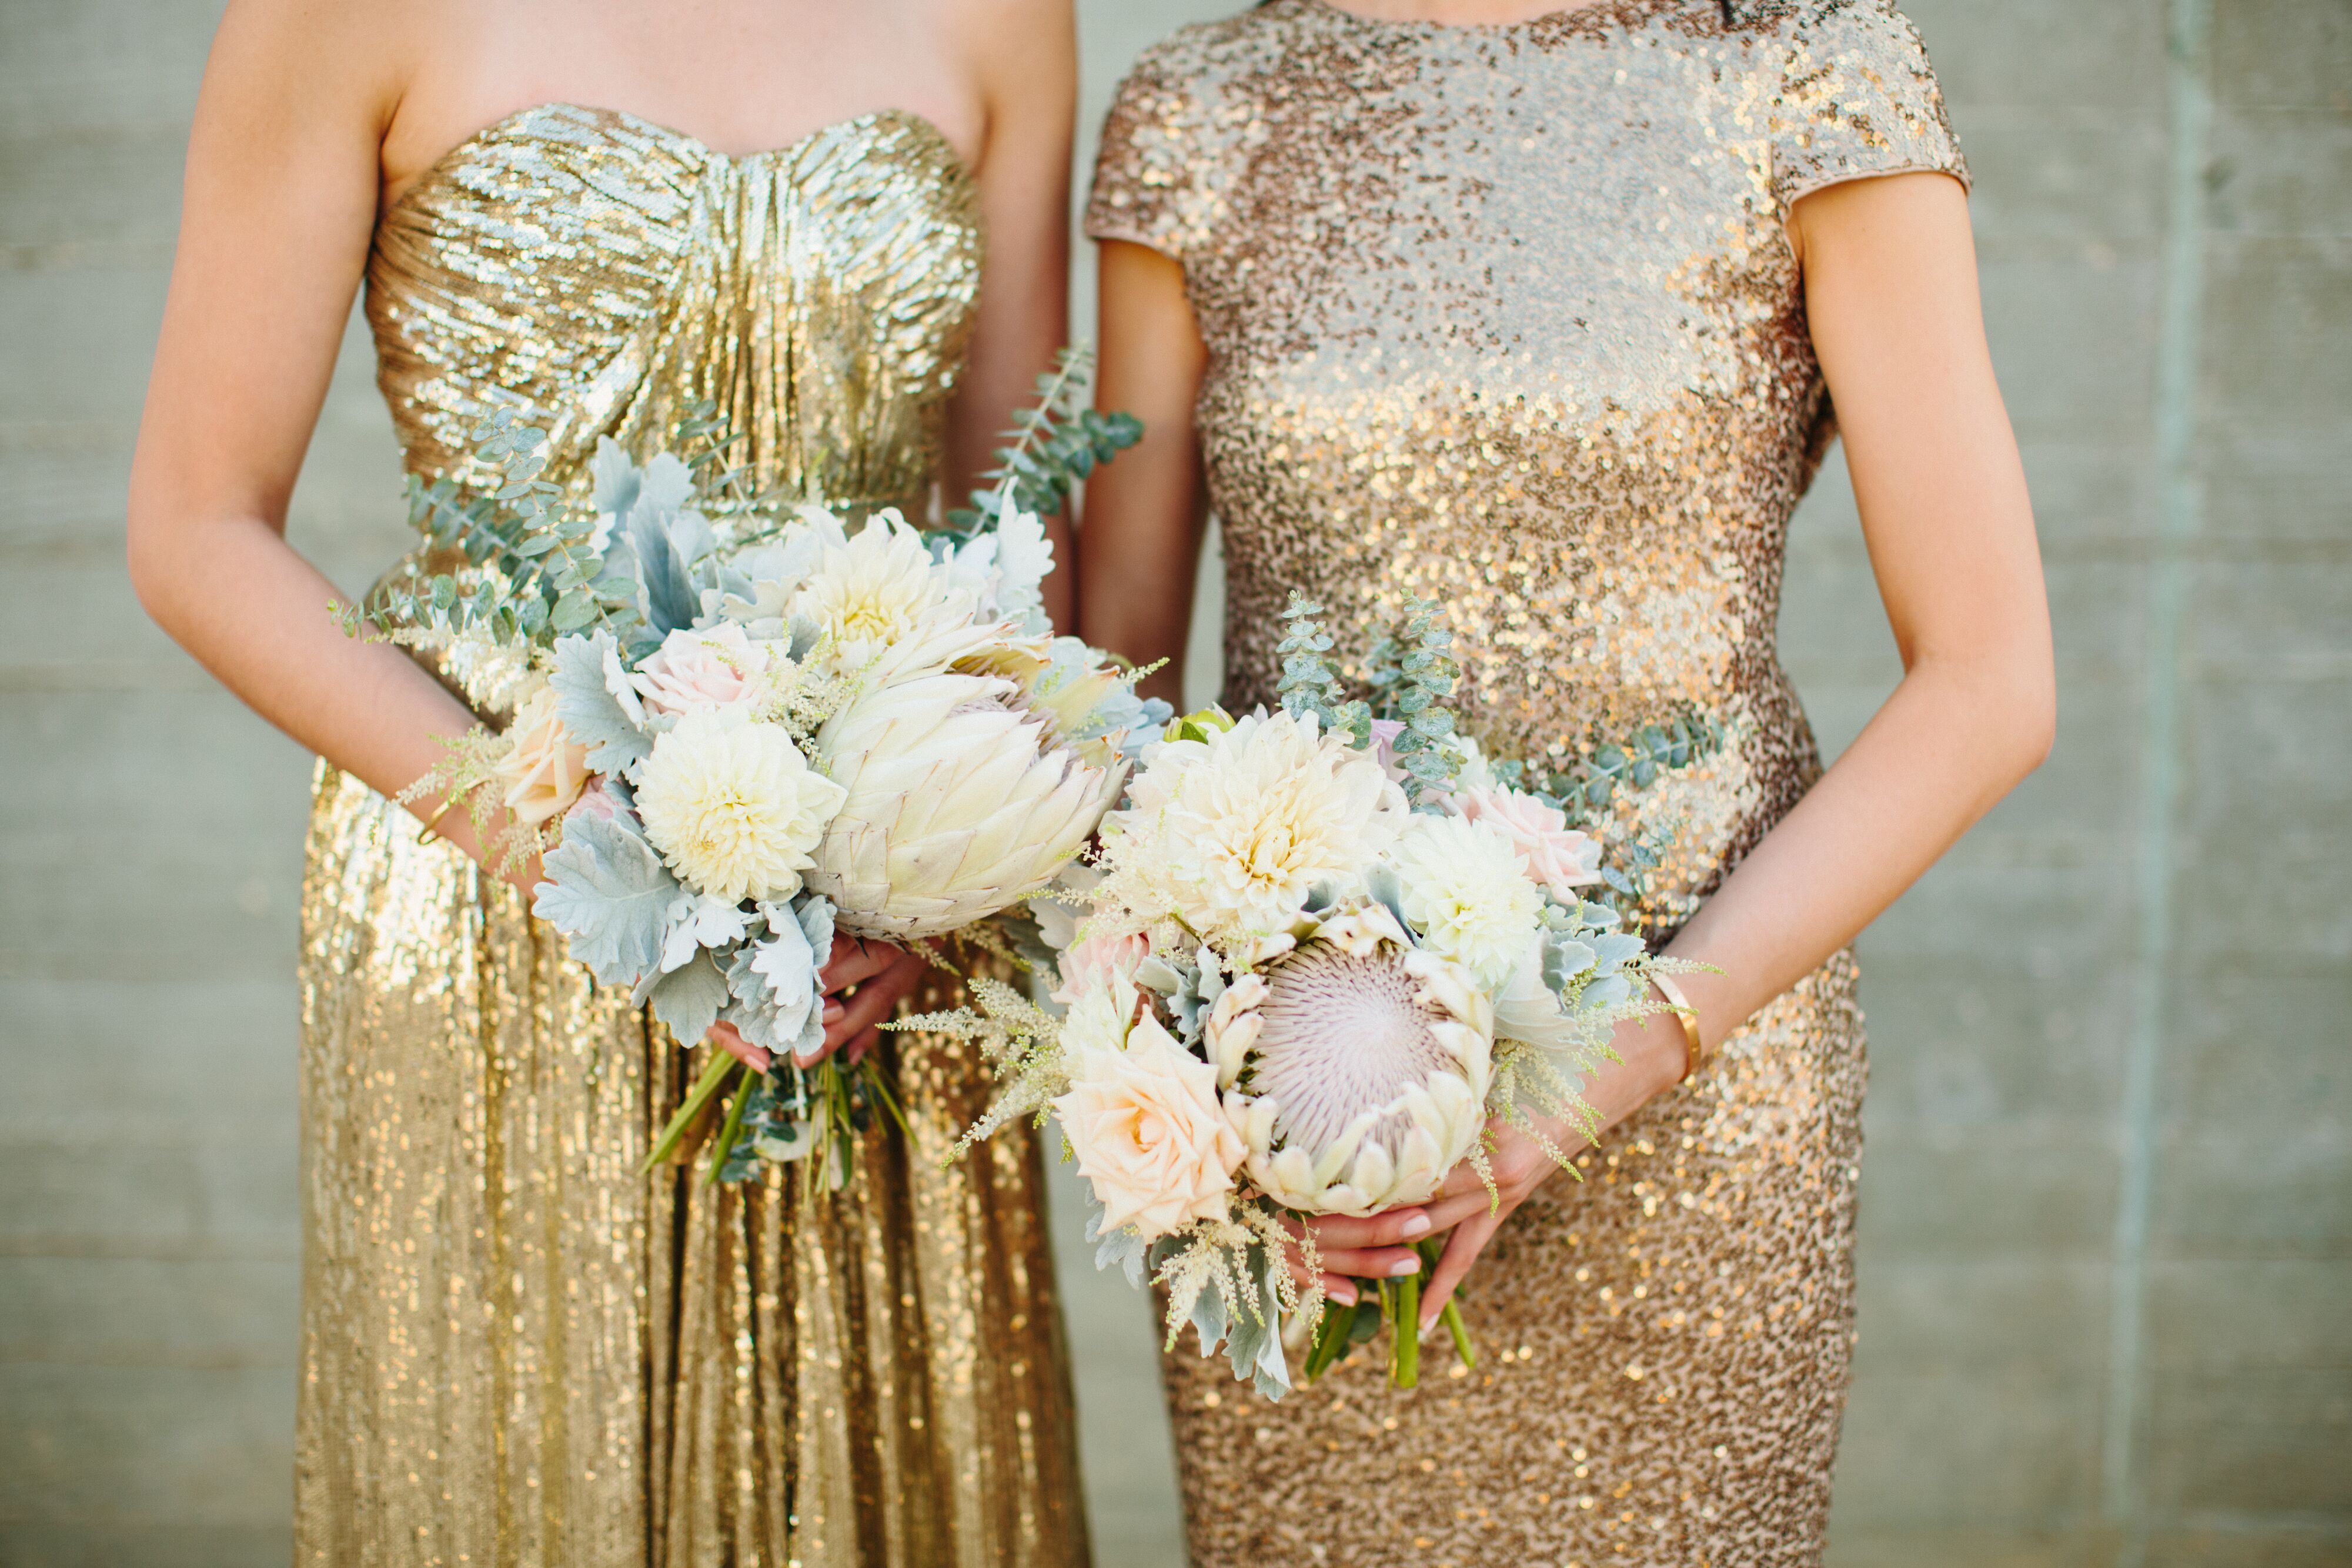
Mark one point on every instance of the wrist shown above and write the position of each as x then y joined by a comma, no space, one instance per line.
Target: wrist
1650,1062
1666,1053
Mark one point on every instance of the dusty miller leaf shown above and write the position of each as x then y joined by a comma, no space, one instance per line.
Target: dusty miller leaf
593,699
687,1001
610,895
1123,1245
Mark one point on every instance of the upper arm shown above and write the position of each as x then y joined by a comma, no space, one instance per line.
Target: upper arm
279,205
1890,284
1025,58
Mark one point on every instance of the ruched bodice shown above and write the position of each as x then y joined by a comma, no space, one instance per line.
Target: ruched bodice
603,274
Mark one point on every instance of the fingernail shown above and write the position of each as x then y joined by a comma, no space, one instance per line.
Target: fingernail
1343,1294
1414,1224
1403,1265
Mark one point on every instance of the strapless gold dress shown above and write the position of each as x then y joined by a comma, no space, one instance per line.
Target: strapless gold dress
1507,317
517,1351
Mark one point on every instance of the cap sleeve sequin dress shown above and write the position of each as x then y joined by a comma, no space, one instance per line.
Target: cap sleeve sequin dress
1507,317
516,1352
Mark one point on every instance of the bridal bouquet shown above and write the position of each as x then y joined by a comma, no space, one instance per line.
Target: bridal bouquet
732,741
1318,950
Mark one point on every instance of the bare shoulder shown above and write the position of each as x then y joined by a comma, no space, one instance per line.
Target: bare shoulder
346,60
1013,40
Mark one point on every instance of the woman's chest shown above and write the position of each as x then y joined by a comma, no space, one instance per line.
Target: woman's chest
1593,227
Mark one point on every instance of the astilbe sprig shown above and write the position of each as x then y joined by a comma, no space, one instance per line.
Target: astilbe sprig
466,776
1019,1039
1230,1256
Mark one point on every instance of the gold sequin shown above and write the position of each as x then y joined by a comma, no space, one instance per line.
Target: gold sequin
1507,317
516,1350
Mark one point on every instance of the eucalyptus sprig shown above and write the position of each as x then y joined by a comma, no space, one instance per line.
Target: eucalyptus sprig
1413,675
1585,790
1309,685
535,564
1052,446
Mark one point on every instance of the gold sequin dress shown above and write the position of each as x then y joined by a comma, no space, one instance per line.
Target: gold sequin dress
516,1352
1507,317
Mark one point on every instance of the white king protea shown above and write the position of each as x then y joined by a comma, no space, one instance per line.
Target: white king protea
962,800
1359,1067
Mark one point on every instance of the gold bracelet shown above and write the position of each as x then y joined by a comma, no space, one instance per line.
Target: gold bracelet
426,834
1679,1005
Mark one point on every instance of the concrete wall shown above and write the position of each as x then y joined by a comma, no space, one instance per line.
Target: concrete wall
2107,1215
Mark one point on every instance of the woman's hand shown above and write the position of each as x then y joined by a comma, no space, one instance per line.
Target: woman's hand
863,982
1651,1052
1350,1249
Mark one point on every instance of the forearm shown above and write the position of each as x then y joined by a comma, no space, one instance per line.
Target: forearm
1134,598
1952,739
1140,547
255,613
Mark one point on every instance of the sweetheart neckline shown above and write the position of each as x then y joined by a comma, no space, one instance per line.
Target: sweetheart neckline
491,132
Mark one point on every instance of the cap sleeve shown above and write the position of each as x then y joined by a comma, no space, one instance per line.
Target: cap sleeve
1857,98
1153,184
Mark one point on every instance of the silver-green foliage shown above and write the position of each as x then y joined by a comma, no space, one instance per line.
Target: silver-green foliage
1051,449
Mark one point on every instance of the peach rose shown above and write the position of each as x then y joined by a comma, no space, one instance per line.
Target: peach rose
1092,962
1559,857
1148,1133
545,769
693,671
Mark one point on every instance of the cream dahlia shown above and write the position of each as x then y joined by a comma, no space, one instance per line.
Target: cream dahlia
733,806
877,597
1465,890
1232,832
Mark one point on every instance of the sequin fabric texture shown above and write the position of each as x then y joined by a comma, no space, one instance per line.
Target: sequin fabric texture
516,1350
1506,318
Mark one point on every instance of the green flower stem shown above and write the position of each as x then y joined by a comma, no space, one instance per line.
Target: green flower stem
1404,1333
1452,1318
713,1079
1334,1332
730,1129
881,1087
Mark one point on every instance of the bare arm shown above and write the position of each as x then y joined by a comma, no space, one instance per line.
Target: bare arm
1026,54
1145,513
281,201
1891,287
